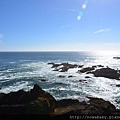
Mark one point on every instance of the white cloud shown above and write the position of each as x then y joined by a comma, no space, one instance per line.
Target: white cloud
1,36
102,30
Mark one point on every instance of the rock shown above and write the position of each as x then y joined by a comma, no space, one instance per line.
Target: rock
105,106
85,81
80,66
95,66
96,106
37,101
87,77
70,76
107,72
22,102
116,57
54,65
86,69
100,65
43,80
118,85
64,67
61,76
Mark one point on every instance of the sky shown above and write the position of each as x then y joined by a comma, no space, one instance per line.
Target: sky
59,25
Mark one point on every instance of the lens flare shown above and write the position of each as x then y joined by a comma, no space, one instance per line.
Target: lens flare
78,17
84,6
80,13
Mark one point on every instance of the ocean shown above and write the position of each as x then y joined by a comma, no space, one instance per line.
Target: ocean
21,70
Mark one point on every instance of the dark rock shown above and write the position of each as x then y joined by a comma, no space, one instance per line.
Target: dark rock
96,106
94,66
80,66
43,80
87,77
61,76
107,72
37,101
100,65
54,65
86,69
65,102
105,106
22,102
118,85
85,81
70,76
64,67
116,57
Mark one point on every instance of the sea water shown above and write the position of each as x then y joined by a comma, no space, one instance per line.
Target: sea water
21,70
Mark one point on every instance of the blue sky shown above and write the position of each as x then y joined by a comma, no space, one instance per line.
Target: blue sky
59,25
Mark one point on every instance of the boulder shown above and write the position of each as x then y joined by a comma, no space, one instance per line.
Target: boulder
87,77
61,76
105,106
118,85
116,57
70,76
107,72
87,69
43,80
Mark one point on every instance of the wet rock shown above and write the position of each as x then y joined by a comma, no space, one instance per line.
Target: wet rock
87,77
61,76
54,65
43,80
64,67
118,85
80,66
116,57
85,81
87,69
70,76
100,65
107,72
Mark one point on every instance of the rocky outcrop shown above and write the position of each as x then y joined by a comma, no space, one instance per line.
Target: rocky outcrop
107,72
118,85
37,101
64,67
116,57
87,69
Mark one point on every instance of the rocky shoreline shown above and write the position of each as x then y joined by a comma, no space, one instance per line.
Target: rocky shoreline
37,101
